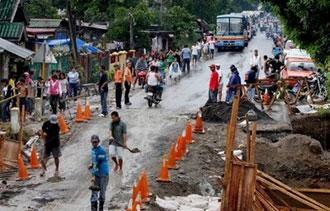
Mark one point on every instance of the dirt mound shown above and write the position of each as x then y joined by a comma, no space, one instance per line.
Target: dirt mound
297,157
221,111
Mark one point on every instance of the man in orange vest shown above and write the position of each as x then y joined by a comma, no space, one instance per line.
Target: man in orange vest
118,85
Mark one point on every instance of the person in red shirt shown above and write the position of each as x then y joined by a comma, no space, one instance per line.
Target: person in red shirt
214,84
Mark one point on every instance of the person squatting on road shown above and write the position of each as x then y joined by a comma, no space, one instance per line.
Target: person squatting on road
103,90
118,85
118,140
251,79
214,84
233,84
100,171
51,134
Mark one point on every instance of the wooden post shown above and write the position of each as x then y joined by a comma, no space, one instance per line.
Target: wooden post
2,140
229,152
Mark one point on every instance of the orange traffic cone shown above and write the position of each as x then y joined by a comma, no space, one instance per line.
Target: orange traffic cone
178,152
163,176
266,98
22,172
171,162
34,162
135,192
199,124
63,126
87,112
145,194
131,206
79,113
189,137
183,145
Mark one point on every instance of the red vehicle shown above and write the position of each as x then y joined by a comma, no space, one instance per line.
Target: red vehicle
297,67
142,77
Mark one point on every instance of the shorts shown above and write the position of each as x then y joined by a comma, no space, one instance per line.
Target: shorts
116,151
195,57
55,151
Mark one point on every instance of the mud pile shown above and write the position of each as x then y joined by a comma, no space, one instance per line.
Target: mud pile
221,112
298,158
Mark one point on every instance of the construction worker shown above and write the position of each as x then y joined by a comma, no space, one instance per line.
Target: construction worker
51,134
118,85
214,84
100,171
118,140
103,90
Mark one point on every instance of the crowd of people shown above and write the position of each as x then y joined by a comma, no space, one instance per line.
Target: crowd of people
55,89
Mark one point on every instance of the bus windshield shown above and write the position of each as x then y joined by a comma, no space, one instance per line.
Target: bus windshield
229,26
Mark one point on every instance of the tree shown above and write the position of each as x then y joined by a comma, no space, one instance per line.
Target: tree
181,23
119,25
306,22
41,9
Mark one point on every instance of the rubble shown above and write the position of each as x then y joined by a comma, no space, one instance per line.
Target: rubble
220,112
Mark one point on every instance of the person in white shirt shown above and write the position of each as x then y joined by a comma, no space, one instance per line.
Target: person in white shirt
256,61
73,78
194,52
153,79
212,47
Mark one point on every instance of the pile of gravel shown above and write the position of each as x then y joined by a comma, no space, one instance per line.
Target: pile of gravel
221,112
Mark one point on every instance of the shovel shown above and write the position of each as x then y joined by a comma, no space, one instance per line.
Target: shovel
134,150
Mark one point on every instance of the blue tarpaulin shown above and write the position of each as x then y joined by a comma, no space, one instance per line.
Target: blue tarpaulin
81,45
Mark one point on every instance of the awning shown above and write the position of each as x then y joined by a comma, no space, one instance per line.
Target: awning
16,49
81,45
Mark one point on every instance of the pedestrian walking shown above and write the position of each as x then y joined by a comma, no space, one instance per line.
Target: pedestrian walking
51,134
251,79
118,140
55,91
256,61
212,47
64,87
186,57
103,90
7,92
118,85
213,84
30,92
23,91
128,79
100,171
73,78
233,84
194,52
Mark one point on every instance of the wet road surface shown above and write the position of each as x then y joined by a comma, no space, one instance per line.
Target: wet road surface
145,126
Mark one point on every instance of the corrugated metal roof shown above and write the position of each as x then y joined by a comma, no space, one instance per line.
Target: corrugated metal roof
15,49
8,9
11,31
44,23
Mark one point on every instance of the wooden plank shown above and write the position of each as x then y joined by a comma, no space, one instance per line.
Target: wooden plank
315,205
291,190
229,152
253,143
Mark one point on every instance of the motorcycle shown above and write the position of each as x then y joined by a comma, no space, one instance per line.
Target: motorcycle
152,97
315,90
142,77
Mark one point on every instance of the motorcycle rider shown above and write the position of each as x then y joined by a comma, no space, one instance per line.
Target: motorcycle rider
153,80
141,65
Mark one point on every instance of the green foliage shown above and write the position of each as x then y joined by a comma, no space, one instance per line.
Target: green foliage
119,27
41,9
181,23
306,23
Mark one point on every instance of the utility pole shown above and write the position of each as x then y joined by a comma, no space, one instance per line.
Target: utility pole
131,30
72,31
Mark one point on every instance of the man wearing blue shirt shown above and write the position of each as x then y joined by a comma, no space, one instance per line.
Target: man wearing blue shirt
100,171
186,56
